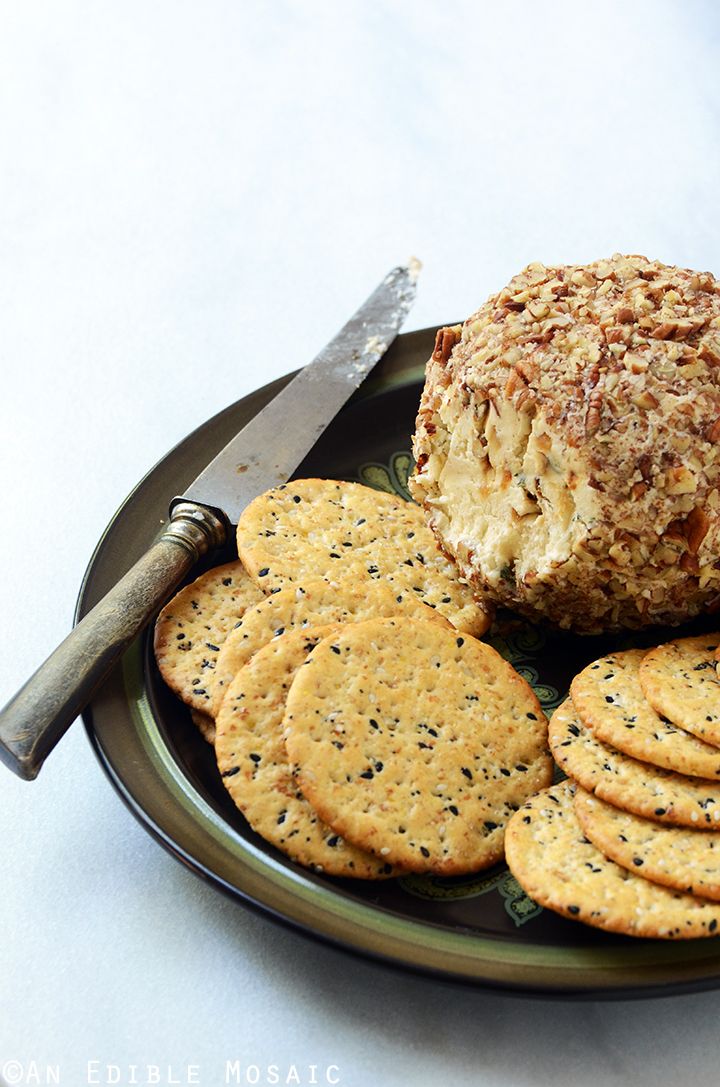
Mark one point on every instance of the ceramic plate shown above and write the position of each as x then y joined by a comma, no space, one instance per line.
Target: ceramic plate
479,929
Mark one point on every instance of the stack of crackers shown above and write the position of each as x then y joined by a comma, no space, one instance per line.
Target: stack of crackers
358,722
631,842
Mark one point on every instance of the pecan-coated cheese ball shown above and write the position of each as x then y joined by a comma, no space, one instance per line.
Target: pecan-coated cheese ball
568,440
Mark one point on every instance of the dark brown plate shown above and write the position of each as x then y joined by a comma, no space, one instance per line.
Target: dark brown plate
479,929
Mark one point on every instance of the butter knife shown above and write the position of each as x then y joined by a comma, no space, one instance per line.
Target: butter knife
263,454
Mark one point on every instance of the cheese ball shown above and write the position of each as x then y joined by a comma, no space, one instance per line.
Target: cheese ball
567,444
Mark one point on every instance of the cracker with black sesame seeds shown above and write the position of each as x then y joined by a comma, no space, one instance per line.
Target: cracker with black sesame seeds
326,528
192,626
308,604
416,743
686,860
552,859
255,770
680,681
634,786
608,698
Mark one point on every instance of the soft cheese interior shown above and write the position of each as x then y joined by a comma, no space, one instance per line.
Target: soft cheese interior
502,490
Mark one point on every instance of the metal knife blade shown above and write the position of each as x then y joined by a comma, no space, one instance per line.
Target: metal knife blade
262,455
266,451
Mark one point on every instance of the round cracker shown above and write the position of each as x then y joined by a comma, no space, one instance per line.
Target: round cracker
325,528
309,604
254,766
680,682
608,697
686,860
191,628
626,782
416,743
558,867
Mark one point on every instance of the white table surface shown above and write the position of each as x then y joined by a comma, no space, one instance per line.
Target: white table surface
193,197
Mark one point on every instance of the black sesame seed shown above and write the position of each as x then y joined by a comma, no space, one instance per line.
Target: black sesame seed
264,572
425,852
574,910
531,716
459,642
467,773
229,773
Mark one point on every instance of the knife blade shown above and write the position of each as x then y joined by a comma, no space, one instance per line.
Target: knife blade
262,455
267,450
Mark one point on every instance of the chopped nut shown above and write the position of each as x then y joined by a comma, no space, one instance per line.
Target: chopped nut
680,481
664,331
445,340
645,400
689,563
604,270
709,351
697,525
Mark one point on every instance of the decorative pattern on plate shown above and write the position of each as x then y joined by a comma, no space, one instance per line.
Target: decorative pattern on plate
391,477
518,905
519,643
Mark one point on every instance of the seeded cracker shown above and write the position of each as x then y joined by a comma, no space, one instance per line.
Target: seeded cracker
255,768
309,604
628,783
686,860
680,681
191,628
416,743
560,869
608,697
323,528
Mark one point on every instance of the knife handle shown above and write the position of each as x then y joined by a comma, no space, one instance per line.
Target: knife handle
42,711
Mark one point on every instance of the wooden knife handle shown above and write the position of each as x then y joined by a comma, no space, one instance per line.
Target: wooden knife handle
42,711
